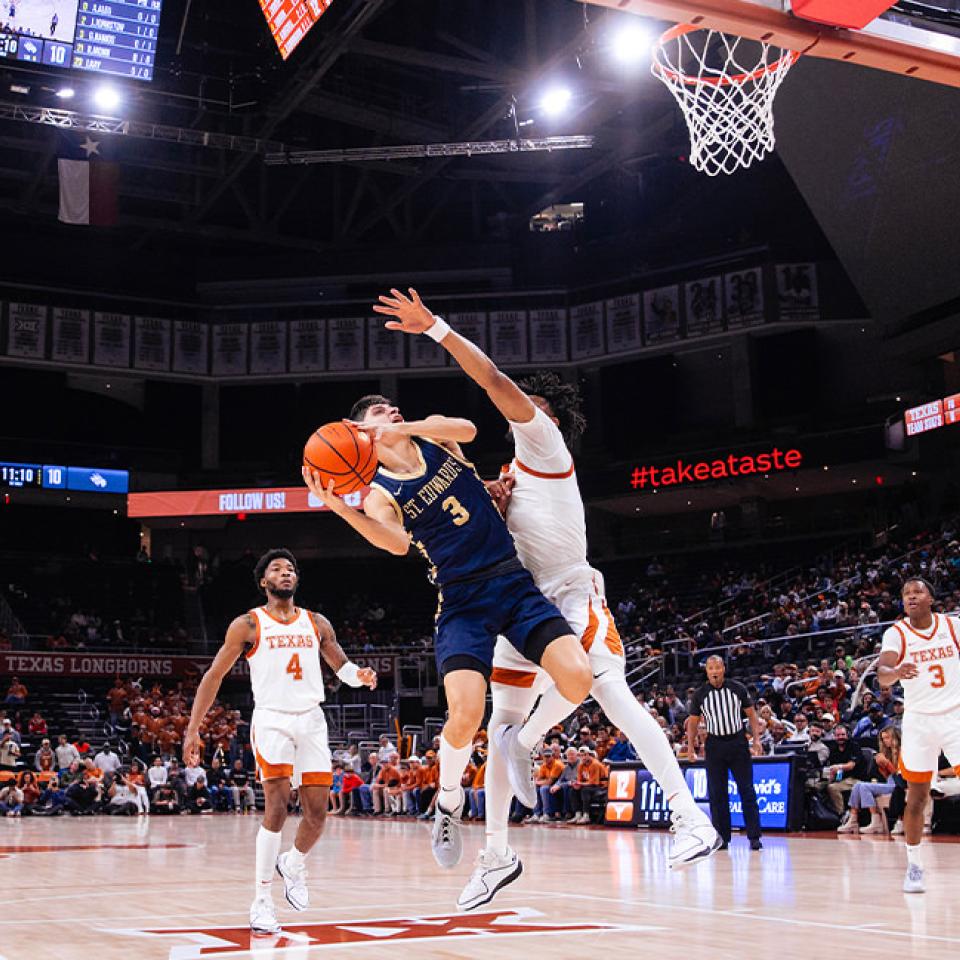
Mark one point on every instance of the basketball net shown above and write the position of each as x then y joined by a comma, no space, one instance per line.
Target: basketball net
725,85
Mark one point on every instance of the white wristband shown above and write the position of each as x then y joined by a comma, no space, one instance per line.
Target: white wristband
439,329
348,674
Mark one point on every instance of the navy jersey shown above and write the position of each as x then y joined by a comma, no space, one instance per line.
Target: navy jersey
446,509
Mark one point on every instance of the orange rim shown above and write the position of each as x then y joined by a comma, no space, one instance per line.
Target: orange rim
681,29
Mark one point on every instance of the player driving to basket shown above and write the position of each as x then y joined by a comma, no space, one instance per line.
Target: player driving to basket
545,515
426,492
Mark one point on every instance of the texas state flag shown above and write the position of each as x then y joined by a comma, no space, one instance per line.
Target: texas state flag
88,179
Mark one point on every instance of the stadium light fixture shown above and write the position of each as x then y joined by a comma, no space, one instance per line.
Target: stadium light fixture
107,97
66,93
630,45
555,101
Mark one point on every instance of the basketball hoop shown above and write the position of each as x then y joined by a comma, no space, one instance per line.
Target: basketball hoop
725,86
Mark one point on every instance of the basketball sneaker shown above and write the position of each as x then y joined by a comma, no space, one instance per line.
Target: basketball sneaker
694,839
913,881
492,873
447,837
294,882
263,917
519,764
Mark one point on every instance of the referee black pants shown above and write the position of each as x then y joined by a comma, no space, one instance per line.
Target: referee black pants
720,755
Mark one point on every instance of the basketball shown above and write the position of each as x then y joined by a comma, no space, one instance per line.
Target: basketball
341,453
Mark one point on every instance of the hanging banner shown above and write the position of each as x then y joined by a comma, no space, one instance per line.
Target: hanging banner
385,347
508,336
71,335
797,294
190,344
472,326
27,331
661,314
111,339
230,348
308,348
743,298
151,344
586,330
624,331
704,303
425,353
268,346
346,343
548,335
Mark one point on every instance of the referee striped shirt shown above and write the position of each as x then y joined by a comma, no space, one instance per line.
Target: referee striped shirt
722,707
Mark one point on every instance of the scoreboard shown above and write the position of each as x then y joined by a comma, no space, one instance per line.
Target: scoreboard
116,37
290,20
55,477
932,415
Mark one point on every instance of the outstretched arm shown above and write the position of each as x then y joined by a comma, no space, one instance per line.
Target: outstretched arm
414,317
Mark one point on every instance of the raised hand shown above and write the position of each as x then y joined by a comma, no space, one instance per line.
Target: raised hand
412,316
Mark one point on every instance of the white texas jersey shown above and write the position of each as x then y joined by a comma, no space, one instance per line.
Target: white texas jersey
936,652
285,663
545,515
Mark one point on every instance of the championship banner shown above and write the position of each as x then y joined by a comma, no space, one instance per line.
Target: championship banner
743,298
797,294
151,343
661,314
508,336
308,347
190,341
213,503
385,347
586,330
548,336
268,346
346,344
71,335
230,346
111,339
624,330
704,303
425,353
27,331
472,326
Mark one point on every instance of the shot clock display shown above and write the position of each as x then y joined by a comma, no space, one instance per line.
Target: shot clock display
117,37
54,477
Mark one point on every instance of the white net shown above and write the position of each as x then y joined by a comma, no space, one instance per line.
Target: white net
725,86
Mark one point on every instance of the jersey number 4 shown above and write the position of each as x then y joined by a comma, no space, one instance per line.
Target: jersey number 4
294,668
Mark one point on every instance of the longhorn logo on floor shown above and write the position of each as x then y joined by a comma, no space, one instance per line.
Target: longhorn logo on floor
214,941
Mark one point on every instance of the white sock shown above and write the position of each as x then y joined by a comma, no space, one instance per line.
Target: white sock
268,848
650,742
913,856
497,786
295,857
552,709
453,761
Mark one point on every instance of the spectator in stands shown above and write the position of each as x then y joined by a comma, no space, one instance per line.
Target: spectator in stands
864,796
30,789
52,800
353,761
116,701
586,788
192,772
73,774
221,797
9,748
7,727
387,785
548,773
83,794
351,792
844,770
477,794
177,780
198,798
335,797
429,781
66,752
17,693
156,774
122,798
869,726
107,759
45,760
165,800
37,726
369,772
386,748
11,800
244,798
410,787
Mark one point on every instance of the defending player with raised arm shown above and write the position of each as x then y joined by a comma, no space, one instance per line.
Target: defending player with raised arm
283,645
426,492
546,518
922,653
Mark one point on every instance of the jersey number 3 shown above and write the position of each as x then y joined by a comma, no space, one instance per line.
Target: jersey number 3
939,680
294,668
457,510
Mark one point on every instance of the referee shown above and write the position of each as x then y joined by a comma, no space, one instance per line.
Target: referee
723,704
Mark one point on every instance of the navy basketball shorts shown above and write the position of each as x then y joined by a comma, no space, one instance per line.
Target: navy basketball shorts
474,613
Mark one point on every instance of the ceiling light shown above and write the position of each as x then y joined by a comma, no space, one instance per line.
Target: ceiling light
20,88
630,44
66,93
555,101
107,97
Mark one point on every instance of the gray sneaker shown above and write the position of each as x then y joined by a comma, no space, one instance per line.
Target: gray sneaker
519,764
447,839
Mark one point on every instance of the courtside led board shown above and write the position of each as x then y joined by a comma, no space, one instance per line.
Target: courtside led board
291,20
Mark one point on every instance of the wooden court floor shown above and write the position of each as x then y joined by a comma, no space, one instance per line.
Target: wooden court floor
180,888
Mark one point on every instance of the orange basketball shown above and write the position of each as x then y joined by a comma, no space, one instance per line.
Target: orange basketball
341,453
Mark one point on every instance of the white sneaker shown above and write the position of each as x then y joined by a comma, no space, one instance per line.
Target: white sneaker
263,917
694,839
544,818
897,830
294,882
876,826
492,873
519,764
850,824
913,881
447,838
581,818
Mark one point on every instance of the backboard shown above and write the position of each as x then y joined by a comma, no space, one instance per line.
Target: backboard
908,45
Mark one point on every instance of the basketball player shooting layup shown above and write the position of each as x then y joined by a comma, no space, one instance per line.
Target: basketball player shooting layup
546,518
922,652
424,490
283,645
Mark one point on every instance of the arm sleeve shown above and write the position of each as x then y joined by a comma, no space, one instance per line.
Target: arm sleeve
540,445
